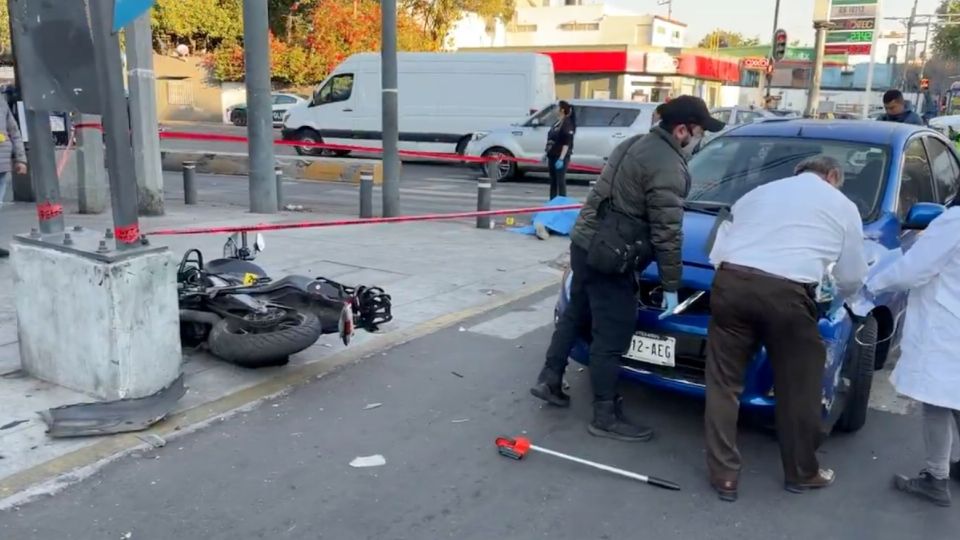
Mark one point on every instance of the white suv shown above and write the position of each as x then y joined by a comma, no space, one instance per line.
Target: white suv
601,126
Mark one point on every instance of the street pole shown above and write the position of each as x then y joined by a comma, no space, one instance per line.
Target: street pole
913,14
813,97
116,125
923,66
92,190
773,44
256,53
391,129
143,116
873,62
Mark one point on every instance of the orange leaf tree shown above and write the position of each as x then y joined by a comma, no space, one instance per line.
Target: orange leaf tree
328,32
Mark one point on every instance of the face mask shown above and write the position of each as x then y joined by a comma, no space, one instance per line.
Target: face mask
692,145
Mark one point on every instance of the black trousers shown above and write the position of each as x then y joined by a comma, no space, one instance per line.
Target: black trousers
558,178
603,307
749,309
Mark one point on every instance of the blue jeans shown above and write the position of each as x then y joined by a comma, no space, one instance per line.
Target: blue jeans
4,180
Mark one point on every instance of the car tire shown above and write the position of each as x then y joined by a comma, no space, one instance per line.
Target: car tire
859,369
311,136
506,169
340,153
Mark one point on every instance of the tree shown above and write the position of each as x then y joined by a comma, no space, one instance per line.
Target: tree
725,38
333,31
946,39
202,24
437,17
5,47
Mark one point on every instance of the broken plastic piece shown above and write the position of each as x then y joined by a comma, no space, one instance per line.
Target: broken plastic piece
375,460
372,406
105,418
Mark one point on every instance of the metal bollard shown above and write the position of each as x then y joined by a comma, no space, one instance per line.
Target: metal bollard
278,171
484,190
366,194
190,182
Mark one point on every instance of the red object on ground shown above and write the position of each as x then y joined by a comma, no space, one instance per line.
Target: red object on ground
513,448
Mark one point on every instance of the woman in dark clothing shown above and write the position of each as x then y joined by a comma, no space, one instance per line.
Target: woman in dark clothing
559,148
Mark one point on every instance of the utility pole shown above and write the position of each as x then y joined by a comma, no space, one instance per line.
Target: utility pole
873,61
923,65
776,22
256,53
669,4
143,116
813,97
391,128
913,15
116,125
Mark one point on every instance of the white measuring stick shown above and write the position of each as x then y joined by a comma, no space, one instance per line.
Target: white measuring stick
602,467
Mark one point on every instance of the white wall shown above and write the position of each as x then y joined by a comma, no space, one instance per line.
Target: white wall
668,34
471,31
729,96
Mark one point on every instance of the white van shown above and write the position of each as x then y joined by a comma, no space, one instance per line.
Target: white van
443,99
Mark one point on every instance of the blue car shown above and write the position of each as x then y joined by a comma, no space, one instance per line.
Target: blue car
900,176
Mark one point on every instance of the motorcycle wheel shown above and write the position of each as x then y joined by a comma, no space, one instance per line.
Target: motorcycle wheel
272,346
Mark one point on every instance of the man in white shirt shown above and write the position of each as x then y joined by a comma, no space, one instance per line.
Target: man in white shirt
770,258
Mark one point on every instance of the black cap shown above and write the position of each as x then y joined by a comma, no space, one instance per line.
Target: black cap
689,110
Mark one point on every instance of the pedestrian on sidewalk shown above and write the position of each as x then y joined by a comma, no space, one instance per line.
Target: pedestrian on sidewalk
12,155
636,205
770,259
929,366
559,148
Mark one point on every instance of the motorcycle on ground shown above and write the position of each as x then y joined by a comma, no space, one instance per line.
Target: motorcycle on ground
246,318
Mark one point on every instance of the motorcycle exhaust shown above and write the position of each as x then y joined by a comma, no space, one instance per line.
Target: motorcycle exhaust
202,317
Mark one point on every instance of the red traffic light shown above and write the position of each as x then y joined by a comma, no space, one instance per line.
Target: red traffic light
924,84
780,37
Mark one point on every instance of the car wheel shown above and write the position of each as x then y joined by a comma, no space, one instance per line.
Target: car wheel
859,369
308,136
499,163
340,153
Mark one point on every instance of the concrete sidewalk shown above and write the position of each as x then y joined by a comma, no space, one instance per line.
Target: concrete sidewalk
438,273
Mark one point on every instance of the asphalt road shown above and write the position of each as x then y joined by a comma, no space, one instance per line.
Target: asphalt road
424,189
282,470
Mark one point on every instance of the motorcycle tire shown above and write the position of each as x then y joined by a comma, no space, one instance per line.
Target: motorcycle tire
264,349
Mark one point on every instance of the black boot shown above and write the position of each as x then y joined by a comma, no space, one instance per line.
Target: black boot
926,487
606,423
549,388
4,253
955,471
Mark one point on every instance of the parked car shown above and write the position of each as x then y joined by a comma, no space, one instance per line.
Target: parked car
282,102
890,170
444,99
601,126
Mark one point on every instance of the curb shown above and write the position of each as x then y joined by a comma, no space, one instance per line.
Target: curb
52,476
347,170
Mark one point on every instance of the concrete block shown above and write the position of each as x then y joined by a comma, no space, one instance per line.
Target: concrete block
108,329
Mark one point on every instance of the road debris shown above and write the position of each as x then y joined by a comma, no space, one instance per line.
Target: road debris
372,406
13,424
457,374
361,462
462,329
155,441
460,421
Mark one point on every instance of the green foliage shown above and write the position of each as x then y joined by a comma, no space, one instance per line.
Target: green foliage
437,17
946,39
724,38
5,49
201,24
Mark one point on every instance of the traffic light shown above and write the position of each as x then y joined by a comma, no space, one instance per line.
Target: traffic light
779,45
924,84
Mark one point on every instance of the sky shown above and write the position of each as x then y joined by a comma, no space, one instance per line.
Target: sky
754,18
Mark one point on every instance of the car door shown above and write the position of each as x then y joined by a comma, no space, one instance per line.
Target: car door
596,127
946,170
531,136
333,107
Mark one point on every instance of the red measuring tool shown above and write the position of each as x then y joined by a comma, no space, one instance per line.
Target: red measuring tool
520,446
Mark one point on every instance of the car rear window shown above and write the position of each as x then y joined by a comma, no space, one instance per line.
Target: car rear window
729,167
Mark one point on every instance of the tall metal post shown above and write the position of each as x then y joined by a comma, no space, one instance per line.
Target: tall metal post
143,116
116,125
813,98
773,44
923,67
391,128
873,61
256,53
43,165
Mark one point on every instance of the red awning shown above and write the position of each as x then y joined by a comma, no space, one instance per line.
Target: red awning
705,67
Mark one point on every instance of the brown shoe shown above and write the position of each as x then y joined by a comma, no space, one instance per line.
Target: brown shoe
823,479
726,489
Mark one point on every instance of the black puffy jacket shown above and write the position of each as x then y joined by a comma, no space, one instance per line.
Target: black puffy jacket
651,182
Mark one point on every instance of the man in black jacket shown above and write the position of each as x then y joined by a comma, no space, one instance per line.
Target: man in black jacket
645,178
897,110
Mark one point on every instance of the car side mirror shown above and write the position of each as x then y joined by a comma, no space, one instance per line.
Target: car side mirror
921,215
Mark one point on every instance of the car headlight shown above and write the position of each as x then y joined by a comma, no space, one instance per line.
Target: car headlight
286,116
480,135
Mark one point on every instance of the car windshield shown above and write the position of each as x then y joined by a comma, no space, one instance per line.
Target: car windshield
730,166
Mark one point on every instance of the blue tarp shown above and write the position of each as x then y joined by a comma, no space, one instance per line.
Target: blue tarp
560,222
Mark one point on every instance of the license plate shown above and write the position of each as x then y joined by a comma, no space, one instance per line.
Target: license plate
278,116
652,349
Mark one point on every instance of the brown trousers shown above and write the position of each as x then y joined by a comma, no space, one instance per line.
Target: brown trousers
749,309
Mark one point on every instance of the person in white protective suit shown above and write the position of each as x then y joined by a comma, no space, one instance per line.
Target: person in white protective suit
929,366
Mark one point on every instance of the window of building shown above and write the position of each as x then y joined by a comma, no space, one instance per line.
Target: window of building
661,30
676,34
523,28
580,27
